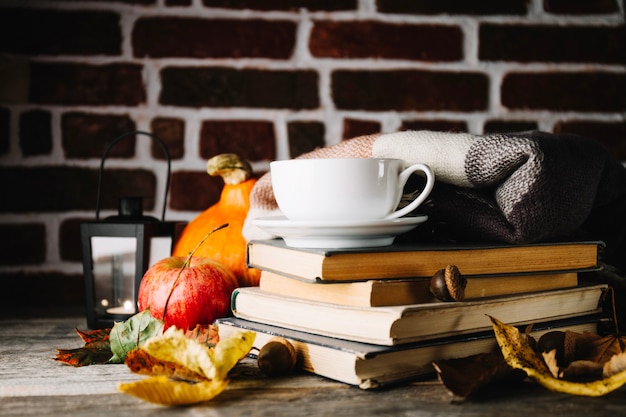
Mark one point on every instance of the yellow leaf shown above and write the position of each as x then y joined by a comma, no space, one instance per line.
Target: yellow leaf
230,351
213,363
173,346
516,350
164,391
177,355
518,354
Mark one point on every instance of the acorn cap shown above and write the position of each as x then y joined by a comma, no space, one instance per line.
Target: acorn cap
455,282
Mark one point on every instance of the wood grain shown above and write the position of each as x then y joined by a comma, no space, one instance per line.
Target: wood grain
32,383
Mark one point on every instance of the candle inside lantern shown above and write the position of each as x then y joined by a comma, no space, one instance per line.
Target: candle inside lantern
127,308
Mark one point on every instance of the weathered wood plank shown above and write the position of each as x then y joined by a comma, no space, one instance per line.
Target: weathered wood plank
33,384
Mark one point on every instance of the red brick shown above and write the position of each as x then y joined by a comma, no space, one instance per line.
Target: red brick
305,137
59,32
250,139
35,294
500,126
74,84
289,5
64,188
194,190
435,125
171,131
580,7
218,38
612,135
544,43
573,91
228,87
5,129
410,90
86,135
368,39
69,239
136,2
27,245
353,128
35,133
454,7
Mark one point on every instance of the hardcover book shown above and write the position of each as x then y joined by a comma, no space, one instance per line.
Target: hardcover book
394,325
403,261
372,366
377,293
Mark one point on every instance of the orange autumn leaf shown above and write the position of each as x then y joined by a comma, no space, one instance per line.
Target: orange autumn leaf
141,362
97,349
206,334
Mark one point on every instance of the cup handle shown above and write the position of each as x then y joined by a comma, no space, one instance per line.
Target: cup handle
403,178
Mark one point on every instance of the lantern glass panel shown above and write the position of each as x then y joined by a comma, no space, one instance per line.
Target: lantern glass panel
160,248
114,274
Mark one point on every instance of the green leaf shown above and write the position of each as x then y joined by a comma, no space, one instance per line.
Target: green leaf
132,333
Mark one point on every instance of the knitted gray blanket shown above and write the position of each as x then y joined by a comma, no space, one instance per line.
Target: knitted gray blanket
515,188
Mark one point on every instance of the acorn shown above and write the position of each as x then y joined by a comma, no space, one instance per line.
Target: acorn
554,340
448,284
277,357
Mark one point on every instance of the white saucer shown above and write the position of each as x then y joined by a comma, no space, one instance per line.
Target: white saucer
337,234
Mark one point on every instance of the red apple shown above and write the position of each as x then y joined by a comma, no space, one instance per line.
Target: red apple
186,291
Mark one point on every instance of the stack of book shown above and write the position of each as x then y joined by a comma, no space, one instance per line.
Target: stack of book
366,317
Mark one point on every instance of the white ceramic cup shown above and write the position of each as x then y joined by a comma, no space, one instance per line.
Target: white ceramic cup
345,189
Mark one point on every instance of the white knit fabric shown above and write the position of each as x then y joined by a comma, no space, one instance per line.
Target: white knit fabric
443,152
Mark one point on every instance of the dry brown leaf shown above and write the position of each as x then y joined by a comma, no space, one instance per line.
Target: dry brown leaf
518,354
616,365
599,348
550,359
473,375
581,370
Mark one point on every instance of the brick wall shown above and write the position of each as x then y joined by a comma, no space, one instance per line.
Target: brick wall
266,79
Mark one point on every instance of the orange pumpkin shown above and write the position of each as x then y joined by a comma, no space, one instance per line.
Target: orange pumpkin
227,246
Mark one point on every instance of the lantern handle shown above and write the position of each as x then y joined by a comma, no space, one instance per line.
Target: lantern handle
106,152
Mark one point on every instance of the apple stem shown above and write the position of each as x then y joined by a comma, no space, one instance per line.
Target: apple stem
186,264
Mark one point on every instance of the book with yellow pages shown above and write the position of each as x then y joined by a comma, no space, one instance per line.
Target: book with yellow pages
410,261
395,325
377,293
372,366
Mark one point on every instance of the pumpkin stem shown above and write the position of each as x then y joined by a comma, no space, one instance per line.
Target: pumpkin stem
186,265
231,167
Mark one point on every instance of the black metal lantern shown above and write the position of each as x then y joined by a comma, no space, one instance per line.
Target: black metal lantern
118,250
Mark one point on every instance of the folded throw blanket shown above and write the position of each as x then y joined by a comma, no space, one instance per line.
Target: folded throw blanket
516,188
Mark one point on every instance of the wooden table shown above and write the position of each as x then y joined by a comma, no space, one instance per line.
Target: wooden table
32,383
